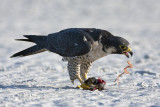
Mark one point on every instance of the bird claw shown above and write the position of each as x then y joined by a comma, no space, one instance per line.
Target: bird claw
93,84
84,86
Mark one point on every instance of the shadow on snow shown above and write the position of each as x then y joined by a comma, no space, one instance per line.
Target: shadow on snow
34,87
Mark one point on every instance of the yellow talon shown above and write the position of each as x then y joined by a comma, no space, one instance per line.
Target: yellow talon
84,86
79,86
85,76
80,79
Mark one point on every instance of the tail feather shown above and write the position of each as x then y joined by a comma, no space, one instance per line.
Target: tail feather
41,46
39,40
29,51
27,40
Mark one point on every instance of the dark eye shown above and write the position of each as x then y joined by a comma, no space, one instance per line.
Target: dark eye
123,47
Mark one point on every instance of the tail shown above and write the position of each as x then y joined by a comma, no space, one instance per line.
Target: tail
41,46
29,51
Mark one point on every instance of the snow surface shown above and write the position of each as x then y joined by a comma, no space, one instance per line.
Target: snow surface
42,79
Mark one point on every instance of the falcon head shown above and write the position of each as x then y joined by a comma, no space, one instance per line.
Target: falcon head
117,45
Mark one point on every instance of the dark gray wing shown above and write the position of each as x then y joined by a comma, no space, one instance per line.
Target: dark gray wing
70,42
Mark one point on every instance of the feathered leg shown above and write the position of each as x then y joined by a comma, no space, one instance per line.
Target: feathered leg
84,69
74,70
74,73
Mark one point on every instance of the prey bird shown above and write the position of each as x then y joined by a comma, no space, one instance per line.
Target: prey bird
79,47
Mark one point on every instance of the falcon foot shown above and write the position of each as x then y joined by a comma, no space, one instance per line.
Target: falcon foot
93,84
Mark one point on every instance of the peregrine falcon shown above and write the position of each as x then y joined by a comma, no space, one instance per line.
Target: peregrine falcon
78,46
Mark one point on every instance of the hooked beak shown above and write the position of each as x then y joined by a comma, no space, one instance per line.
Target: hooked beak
128,50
